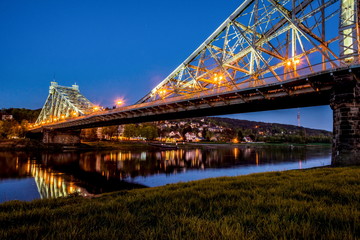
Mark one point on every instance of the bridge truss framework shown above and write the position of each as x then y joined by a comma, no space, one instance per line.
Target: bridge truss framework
265,42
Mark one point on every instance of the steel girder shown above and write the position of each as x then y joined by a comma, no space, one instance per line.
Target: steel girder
265,42
64,102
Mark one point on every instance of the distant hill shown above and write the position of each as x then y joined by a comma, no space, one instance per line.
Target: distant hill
245,124
226,129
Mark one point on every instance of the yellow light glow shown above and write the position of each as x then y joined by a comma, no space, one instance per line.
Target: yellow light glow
292,61
218,78
75,114
119,102
96,108
162,92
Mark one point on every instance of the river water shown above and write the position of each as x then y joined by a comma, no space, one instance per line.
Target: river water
28,176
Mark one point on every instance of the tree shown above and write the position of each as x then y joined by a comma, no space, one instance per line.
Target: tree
110,131
240,135
186,130
149,132
209,135
228,134
89,134
203,133
130,130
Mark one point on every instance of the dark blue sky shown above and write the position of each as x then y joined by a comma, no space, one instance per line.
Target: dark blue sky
111,49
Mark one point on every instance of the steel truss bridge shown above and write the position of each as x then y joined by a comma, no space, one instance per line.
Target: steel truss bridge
312,90
269,54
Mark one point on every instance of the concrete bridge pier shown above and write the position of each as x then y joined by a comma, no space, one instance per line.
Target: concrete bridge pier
345,102
61,137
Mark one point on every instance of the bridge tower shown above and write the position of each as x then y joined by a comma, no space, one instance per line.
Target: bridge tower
349,30
63,103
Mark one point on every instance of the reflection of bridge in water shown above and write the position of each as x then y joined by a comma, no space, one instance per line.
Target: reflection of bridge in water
87,173
52,184
49,183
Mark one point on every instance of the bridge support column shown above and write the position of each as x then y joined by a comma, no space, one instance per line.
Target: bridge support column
63,138
345,103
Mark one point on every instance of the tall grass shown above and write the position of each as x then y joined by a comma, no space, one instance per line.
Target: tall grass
302,204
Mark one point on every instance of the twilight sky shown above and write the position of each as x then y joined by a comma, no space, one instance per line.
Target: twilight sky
111,49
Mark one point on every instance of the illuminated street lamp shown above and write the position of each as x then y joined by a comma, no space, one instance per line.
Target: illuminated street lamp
119,102
292,61
162,92
218,78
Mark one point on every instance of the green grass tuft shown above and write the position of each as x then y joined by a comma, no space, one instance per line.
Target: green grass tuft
319,203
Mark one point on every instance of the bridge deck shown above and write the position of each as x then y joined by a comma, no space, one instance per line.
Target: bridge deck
309,90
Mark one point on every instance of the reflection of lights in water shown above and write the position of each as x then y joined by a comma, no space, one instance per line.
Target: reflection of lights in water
51,184
28,166
129,164
71,188
59,183
300,164
120,164
167,155
98,163
247,152
236,152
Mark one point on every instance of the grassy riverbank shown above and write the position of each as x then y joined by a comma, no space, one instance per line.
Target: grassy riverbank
321,203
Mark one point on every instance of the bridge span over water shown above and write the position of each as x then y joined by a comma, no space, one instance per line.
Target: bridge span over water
269,54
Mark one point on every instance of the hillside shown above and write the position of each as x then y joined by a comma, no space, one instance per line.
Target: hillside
228,129
218,129
245,124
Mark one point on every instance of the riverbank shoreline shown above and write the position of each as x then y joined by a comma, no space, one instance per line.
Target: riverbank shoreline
320,203
35,145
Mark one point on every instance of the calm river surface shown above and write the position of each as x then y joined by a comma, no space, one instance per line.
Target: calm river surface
28,176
